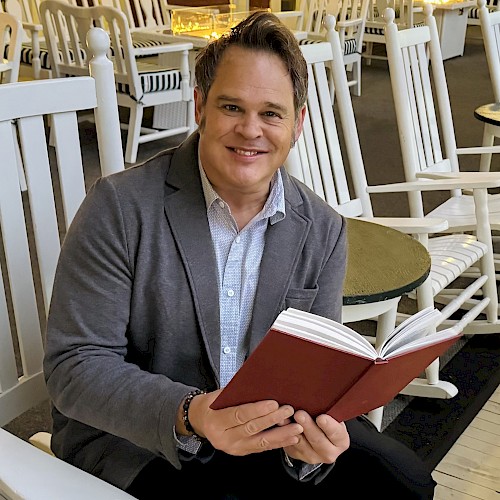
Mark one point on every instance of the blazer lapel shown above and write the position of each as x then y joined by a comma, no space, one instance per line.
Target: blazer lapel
284,241
186,211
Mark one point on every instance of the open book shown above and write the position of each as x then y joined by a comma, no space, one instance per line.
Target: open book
321,366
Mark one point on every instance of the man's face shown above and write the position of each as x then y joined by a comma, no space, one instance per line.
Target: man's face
247,124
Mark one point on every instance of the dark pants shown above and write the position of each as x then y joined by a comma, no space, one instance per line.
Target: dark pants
373,464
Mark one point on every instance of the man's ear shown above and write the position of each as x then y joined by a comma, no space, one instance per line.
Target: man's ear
300,123
198,105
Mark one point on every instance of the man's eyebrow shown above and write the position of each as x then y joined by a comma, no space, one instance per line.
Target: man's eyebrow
268,104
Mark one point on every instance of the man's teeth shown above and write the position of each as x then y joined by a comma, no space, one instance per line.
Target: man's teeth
245,153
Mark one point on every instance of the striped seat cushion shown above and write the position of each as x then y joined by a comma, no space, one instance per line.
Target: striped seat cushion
154,79
349,44
27,52
308,41
375,30
474,12
141,44
27,55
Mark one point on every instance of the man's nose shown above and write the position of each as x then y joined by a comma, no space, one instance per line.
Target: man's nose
249,126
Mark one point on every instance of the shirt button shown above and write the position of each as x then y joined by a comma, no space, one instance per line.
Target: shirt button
221,204
230,293
227,350
238,239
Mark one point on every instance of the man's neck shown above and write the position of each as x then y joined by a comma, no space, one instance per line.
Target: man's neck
244,209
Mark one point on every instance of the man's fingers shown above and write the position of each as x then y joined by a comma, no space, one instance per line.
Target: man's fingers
256,417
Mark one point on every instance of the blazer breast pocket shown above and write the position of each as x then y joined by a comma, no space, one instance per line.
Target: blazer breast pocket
300,298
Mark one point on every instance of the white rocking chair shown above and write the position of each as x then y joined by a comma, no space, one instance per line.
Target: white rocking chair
11,32
140,82
429,149
319,160
489,18
27,472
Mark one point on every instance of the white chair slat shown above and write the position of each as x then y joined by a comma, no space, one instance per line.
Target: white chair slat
41,194
8,366
314,180
320,149
67,141
305,174
334,167
294,164
17,256
415,96
425,104
430,133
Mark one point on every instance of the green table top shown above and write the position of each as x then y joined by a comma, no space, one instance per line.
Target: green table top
382,263
489,113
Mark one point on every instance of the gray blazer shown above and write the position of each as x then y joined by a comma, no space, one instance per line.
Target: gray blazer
134,318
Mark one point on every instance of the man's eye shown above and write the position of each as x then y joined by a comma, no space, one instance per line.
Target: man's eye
271,114
231,107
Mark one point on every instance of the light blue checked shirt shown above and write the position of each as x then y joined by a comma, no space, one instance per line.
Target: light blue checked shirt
238,263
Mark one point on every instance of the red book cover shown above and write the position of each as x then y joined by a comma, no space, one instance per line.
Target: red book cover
384,380
324,379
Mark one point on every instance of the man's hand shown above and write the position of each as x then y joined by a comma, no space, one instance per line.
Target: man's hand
322,441
245,429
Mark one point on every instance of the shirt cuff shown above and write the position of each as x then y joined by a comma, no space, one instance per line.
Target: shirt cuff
190,444
303,470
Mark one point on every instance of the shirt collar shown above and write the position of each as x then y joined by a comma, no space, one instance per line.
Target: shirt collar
274,207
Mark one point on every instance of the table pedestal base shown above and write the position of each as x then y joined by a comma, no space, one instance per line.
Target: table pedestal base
420,387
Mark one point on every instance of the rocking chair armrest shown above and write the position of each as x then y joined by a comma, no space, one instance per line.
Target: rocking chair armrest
411,225
349,23
442,181
42,441
161,49
28,472
33,27
160,35
478,150
286,14
464,180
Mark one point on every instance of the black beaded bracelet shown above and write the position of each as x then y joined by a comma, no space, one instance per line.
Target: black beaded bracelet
185,408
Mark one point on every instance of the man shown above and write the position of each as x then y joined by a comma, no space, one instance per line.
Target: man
171,274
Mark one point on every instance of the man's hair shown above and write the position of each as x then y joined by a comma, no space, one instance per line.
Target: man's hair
260,31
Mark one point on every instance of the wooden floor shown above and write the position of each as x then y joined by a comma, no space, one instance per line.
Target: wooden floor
471,469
